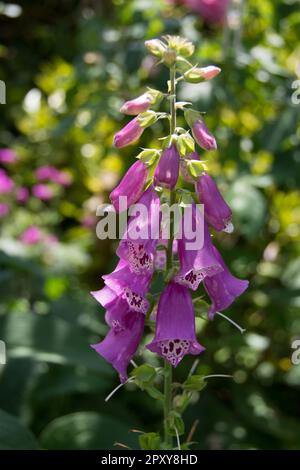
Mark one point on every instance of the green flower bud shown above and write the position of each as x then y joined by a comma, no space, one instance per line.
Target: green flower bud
156,47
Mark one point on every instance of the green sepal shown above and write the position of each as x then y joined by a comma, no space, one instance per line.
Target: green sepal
195,383
150,441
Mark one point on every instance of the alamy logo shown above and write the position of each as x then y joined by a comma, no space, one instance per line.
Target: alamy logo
296,94
296,354
2,352
2,92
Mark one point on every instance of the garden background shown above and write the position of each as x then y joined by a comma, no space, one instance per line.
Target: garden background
68,65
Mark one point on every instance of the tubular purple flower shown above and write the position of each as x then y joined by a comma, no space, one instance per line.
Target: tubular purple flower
131,186
202,136
6,183
223,288
127,285
129,134
167,170
137,105
121,342
196,264
175,325
139,242
216,211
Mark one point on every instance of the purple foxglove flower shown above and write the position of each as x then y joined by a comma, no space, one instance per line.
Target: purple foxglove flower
121,342
175,325
202,136
42,191
139,242
210,72
167,170
22,194
131,186
223,288
31,236
4,209
183,167
217,213
123,283
8,156
212,11
196,264
129,134
6,183
137,105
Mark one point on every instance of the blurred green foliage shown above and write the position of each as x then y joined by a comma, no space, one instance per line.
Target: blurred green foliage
68,66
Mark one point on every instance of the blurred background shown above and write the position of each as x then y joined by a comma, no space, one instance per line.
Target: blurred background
67,66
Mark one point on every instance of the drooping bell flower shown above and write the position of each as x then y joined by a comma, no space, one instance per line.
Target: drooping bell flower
223,288
140,239
196,264
46,172
216,211
129,134
141,103
121,342
131,186
130,286
124,284
175,325
167,170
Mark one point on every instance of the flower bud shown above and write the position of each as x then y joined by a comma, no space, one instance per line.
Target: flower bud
156,47
200,132
167,170
129,134
197,74
131,186
141,103
147,118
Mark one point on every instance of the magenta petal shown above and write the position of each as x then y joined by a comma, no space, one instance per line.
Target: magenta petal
196,265
167,170
203,137
216,211
175,334
129,134
131,186
105,296
137,105
223,288
139,241
121,343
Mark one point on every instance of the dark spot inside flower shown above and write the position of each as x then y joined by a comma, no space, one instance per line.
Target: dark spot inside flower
171,346
178,351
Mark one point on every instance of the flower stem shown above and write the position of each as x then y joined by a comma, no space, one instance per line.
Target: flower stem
167,366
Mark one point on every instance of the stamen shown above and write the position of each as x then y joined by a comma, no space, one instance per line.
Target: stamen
242,330
118,387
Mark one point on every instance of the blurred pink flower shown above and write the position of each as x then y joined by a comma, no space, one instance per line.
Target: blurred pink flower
8,156
31,235
50,173
4,209
22,194
6,183
88,221
42,191
212,11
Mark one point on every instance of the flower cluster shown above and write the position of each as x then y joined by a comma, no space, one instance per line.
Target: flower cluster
151,180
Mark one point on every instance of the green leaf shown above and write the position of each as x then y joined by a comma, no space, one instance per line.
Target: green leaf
85,430
195,383
175,424
149,441
144,373
51,339
13,435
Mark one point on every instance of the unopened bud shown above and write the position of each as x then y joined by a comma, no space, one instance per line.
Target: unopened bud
198,75
155,47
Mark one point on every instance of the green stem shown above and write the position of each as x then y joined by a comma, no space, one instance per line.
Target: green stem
167,366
